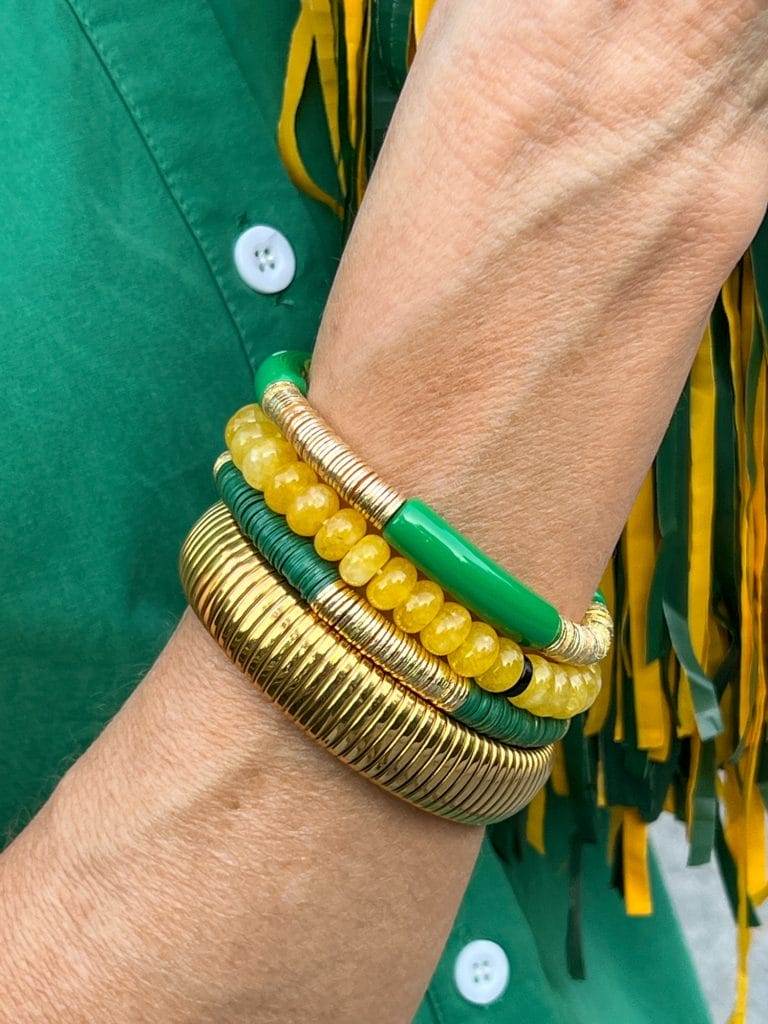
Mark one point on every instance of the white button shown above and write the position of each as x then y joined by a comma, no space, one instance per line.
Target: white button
264,259
481,971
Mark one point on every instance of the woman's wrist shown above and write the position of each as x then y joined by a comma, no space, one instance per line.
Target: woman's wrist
536,311
202,803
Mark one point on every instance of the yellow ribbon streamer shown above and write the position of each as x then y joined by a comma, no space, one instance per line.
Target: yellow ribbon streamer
640,559
297,69
534,821
421,12
637,882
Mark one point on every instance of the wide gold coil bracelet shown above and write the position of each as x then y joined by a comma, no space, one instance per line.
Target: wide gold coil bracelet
363,715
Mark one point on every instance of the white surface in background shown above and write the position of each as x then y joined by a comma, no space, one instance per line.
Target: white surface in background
697,894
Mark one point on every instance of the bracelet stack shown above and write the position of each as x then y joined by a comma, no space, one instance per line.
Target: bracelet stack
295,575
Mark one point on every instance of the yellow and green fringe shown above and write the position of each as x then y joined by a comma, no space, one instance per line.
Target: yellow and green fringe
681,721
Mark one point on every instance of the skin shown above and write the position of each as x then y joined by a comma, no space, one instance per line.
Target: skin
563,190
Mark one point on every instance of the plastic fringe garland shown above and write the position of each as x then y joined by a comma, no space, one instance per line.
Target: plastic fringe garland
681,721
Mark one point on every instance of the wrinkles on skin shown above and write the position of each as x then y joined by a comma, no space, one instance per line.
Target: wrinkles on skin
200,839
558,281
564,187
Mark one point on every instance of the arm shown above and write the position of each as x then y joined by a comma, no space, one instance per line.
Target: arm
558,200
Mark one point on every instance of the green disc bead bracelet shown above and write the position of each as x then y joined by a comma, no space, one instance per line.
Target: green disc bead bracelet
318,584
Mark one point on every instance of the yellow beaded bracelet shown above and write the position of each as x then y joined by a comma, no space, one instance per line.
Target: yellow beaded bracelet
446,629
414,527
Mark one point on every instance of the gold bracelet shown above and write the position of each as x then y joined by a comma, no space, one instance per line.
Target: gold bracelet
351,707
336,463
576,643
396,653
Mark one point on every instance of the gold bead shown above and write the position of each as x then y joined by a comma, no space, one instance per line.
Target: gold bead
338,533
403,656
506,670
478,652
335,463
286,484
420,607
392,584
449,628
310,507
263,459
248,414
364,559
585,642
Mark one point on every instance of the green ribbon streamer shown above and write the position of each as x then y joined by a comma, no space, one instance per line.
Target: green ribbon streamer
574,941
387,68
580,768
672,484
392,35
703,808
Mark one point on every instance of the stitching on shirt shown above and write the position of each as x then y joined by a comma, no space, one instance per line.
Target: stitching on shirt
117,78
434,1006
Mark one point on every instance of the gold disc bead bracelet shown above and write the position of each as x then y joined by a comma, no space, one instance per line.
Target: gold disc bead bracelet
419,533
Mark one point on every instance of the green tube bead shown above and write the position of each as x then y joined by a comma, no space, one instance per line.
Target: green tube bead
297,561
287,365
470,576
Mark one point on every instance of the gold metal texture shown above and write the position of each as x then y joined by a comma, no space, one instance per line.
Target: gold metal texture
348,704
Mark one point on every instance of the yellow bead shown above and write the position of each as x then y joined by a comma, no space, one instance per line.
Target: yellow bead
243,438
248,414
286,484
478,652
264,458
584,688
420,607
449,628
595,673
536,695
310,508
561,692
571,696
392,585
363,560
506,670
337,534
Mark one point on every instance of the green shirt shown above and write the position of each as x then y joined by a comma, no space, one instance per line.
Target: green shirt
139,144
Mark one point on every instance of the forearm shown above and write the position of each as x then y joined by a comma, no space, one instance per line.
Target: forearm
203,849
488,358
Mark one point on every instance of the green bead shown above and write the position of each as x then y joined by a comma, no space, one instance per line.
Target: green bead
493,715
470,576
288,365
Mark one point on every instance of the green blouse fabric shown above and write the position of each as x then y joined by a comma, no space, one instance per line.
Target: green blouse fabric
138,142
